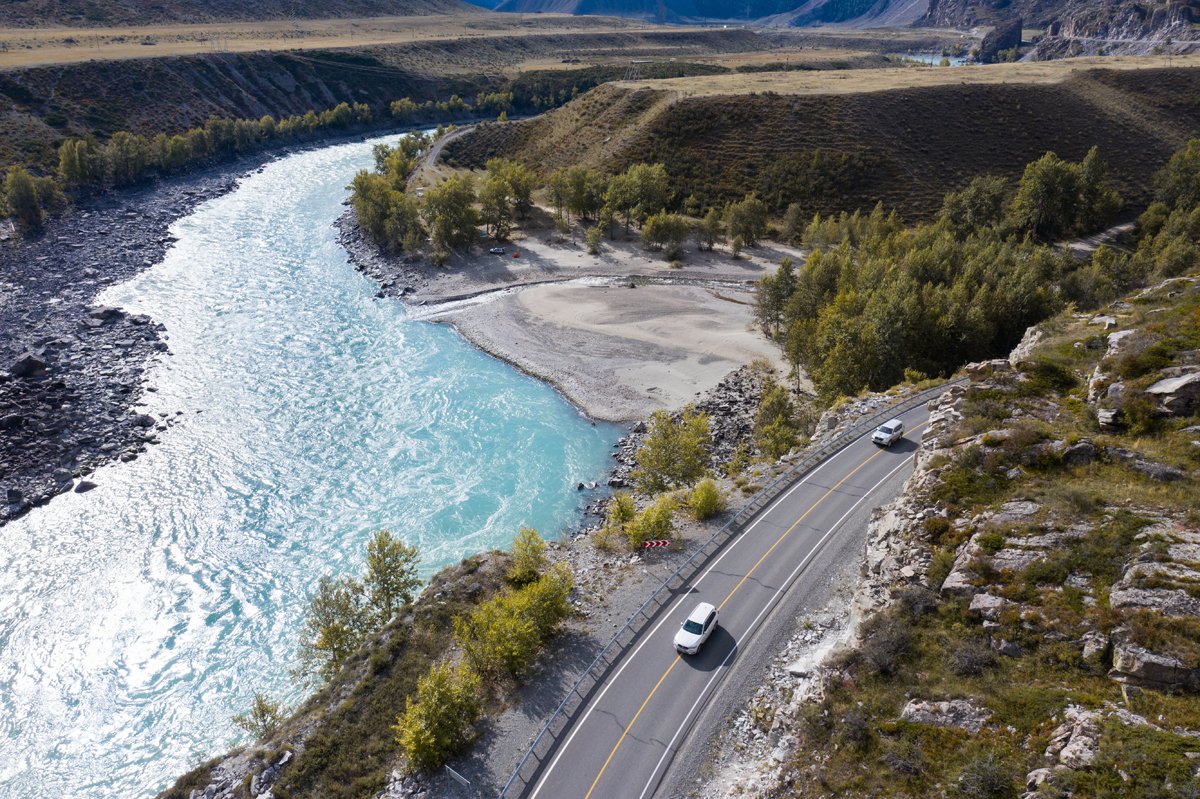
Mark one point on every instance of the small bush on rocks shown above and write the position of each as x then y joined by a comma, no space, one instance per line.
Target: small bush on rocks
656,522
706,500
436,724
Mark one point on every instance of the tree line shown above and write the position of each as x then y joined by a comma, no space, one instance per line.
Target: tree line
878,301
450,213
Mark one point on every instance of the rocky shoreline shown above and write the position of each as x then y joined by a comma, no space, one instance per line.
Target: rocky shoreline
72,374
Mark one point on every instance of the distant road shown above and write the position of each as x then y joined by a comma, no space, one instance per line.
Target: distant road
623,741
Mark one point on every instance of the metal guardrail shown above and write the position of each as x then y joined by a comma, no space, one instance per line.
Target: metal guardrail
694,561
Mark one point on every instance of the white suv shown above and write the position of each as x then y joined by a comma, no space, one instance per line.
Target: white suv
696,629
888,433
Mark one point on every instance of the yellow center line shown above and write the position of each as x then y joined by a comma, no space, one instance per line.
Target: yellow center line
766,554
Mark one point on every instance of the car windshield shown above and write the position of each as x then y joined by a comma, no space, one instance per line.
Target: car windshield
693,627
888,428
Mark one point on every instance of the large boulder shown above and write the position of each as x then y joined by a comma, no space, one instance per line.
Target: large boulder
1139,666
958,713
1179,395
27,365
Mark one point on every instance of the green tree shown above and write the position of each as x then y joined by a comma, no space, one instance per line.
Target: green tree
335,626
710,231
495,210
771,296
638,192
404,109
126,155
674,452
436,724
706,500
263,719
667,233
747,220
774,423
496,640
391,577
449,212
528,557
593,238
21,195
621,511
584,191
557,188
793,224
545,600
81,162
981,204
1178,183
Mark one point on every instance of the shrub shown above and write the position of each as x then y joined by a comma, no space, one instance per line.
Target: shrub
904,757
436,724
886,641
936,527
529,557
706,500
940,568
992,541
986,777
656,522
264,718
972,658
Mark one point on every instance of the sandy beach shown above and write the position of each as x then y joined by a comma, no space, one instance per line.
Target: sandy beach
620,353
621,334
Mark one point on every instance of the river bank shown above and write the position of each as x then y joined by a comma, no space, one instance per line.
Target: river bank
71,374
620,334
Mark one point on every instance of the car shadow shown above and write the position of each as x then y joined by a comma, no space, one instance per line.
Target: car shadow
905,445
714,652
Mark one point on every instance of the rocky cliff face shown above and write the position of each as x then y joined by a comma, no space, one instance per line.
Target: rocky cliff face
1081,27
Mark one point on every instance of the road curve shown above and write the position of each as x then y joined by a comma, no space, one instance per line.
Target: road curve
624,739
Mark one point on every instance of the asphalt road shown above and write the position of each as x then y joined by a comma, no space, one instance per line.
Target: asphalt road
623,742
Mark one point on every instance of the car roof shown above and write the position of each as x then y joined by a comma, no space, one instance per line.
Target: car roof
701,611
891,424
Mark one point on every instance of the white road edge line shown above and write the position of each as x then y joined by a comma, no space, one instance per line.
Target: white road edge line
629,658
753,628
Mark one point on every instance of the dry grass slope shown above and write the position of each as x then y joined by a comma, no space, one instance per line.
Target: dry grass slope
910,145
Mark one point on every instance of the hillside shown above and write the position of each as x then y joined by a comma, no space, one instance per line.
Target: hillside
98,13
39,106
842,146
778,12
1047,13
1030,601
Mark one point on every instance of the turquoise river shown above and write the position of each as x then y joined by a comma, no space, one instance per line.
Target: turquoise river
136,618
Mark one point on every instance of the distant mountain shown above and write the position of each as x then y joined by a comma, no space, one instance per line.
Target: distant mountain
1047,13
783,12
100,13
1121,21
